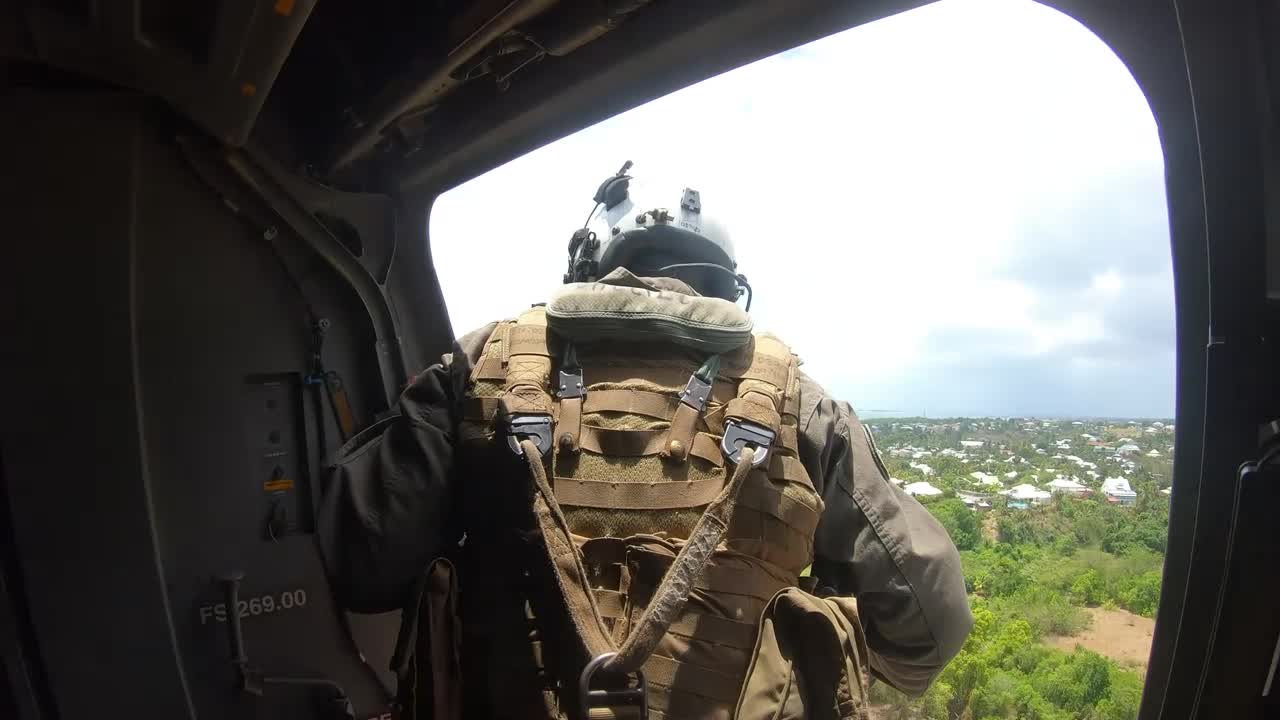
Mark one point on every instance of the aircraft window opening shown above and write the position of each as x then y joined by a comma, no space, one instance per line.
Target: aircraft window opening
956,216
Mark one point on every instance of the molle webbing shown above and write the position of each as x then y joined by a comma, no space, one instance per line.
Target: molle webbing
528,365
671,594
734,536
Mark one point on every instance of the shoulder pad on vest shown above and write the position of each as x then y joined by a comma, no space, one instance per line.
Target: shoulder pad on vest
586,312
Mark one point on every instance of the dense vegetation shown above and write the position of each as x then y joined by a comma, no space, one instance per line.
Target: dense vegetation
1003,672
1031,572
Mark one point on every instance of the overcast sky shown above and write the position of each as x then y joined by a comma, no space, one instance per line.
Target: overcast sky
958,210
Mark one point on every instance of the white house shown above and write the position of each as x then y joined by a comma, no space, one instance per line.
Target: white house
1023,495
1128,449
1082,462
1167,491
924,469
1029,492
1117,490
1154,453
972,443
976,501
922,489
1011,474
985,479
1067,486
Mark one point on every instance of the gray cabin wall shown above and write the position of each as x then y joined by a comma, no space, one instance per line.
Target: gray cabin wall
156,356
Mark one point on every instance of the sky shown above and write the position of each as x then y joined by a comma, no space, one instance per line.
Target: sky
958,210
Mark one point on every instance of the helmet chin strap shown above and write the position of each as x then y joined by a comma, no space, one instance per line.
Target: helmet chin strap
738,277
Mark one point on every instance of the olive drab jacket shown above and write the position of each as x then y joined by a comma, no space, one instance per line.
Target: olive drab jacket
419,493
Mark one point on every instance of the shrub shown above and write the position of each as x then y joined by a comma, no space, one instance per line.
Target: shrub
1004,574
1066,544
1088,588
1124,698
1141,594
1027,658
1094,577
1076,683
1045,611
1014,529
960,522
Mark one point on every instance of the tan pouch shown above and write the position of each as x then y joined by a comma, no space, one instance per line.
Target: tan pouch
809,663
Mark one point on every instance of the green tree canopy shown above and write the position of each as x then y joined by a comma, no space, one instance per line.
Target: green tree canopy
960,522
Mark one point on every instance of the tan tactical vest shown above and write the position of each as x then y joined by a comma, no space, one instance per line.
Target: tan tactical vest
586,471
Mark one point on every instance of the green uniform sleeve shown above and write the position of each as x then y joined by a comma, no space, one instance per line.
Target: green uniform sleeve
880,545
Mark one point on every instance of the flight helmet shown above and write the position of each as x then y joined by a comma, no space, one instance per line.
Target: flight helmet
654,232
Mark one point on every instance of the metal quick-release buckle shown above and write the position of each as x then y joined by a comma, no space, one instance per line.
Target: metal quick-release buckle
571,384
739,433
626,697
696,393
528,426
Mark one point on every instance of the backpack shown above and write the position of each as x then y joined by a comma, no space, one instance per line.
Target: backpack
638,519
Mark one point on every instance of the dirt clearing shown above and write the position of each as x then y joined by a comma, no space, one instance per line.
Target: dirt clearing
989,531
1117,634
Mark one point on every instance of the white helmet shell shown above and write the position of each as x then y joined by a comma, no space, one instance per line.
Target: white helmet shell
647,230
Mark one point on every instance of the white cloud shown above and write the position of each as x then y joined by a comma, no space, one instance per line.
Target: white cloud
1109,283
933,198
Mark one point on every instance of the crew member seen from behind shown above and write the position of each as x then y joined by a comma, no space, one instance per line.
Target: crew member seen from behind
627,503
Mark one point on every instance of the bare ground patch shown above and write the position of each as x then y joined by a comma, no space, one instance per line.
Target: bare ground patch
1117,634
989,531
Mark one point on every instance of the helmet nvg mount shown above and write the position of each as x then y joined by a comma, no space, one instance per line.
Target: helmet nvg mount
655,234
